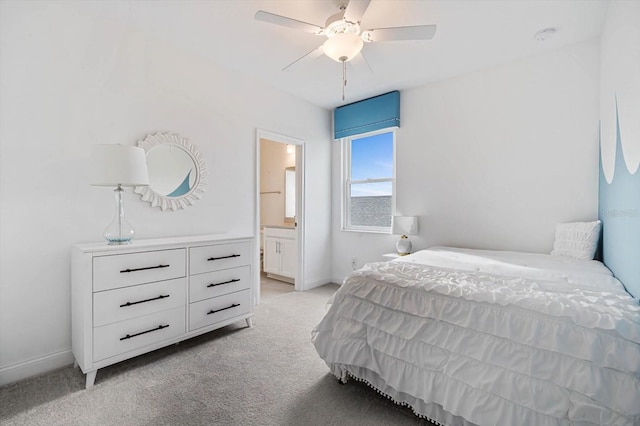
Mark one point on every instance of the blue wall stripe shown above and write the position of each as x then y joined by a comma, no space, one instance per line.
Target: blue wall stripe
619,211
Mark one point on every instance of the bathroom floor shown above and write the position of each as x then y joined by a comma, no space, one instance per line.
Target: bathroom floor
270,287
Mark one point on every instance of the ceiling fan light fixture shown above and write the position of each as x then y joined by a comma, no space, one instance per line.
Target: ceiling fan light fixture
341,46
345,38
336,25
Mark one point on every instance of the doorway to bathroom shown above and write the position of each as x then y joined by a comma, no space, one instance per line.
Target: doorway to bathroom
279,216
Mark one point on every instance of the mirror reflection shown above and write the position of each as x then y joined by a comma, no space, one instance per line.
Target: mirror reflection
289,194
171,170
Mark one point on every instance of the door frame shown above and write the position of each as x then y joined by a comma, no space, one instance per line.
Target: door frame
300,191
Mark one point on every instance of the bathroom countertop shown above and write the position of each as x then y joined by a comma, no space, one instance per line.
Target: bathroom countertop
285,226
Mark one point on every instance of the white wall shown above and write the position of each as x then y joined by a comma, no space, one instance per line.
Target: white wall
69,81
491,159
620,85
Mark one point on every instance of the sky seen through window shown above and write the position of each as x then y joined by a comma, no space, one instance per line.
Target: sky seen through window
372,158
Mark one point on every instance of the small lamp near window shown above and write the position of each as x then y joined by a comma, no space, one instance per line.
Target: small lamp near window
119,166
404,226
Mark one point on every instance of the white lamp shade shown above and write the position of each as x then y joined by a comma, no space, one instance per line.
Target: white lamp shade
113,165
343,45
404,225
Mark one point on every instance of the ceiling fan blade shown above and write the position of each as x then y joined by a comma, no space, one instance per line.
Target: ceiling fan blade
355,10
272,18
306,58
418,32
360,63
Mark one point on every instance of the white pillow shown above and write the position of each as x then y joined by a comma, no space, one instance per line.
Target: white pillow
578,240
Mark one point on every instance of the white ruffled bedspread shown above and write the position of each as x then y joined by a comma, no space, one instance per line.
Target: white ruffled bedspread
490,338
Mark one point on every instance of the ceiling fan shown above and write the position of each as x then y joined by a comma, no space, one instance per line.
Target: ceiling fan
344,36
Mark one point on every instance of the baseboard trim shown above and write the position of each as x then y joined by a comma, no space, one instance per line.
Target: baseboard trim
22,370
338,280
308,285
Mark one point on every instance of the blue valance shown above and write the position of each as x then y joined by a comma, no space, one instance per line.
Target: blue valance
379,112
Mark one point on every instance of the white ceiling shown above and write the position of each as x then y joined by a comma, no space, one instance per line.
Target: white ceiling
471,34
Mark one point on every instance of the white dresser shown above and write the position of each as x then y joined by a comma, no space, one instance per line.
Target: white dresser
132,299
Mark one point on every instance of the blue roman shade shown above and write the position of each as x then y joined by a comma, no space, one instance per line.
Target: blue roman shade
379,112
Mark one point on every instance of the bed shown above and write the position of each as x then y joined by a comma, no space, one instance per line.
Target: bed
484,337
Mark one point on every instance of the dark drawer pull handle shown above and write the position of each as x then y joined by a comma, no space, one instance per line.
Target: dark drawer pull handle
235,280
162,296
223,257
129,336
143,269
235,305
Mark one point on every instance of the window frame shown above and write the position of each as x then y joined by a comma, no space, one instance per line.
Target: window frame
346,182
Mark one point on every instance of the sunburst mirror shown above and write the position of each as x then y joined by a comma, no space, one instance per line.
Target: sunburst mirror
177,173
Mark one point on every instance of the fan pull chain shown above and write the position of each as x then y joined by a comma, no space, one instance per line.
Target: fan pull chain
344,74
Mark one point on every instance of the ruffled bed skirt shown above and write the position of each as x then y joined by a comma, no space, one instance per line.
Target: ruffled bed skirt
429,411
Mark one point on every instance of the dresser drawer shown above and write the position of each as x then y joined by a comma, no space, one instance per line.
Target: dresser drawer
220,256
125,303
211,311
218,283
125,336
137,268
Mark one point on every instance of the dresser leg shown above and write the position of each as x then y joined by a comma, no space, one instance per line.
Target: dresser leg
91,378
249,322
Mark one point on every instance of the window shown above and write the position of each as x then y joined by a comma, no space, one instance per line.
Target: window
369,181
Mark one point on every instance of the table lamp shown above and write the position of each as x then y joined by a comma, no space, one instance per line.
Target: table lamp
119,166
404,226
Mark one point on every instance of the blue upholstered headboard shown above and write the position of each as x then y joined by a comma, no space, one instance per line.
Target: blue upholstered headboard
619,211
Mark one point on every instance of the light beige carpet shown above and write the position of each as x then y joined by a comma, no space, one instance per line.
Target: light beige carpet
269,374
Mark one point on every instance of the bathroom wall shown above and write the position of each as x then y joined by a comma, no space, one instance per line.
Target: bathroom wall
274,158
